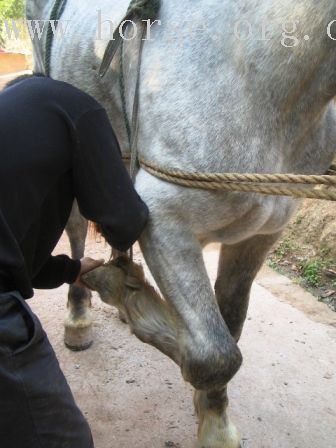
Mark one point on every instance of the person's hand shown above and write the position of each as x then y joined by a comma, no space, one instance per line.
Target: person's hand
87,265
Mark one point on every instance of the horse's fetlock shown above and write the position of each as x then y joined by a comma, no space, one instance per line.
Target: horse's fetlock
236,359
213,371
78,296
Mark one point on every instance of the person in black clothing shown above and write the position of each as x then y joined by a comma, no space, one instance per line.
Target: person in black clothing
57,145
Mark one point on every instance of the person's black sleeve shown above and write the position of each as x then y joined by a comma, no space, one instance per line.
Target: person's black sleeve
57,271
103,188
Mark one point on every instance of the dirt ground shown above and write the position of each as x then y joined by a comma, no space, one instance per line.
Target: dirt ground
132,396
307,250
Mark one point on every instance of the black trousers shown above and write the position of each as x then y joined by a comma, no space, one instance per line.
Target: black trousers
37,409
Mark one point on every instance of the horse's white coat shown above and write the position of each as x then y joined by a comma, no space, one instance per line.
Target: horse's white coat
214,103
211,102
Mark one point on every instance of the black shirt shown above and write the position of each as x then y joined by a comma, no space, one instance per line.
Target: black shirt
56,144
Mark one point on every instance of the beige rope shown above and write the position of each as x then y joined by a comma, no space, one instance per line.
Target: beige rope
245,177
255,183
297,185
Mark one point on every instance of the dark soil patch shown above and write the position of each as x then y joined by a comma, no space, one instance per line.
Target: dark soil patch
307,251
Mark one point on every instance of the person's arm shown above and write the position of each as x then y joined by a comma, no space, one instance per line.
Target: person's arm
62,269
56,271
103,188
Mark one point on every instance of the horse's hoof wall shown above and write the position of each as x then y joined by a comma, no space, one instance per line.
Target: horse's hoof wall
78,339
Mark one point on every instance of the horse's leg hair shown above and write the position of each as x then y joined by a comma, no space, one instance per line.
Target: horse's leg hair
121,283
78,324
238,266
209,356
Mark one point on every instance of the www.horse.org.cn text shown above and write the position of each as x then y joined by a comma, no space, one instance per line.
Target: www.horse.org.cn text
291,33
244,31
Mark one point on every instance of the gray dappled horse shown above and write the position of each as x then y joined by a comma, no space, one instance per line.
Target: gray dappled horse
212,102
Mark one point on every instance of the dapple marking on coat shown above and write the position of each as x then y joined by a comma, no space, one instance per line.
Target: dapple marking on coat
215,104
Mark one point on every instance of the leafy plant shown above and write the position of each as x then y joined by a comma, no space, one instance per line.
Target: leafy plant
285,247
272,264
311,271
10,9
298,219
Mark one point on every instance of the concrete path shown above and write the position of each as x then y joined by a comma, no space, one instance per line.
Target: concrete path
283,397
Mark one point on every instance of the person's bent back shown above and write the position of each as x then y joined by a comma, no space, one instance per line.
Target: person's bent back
57,145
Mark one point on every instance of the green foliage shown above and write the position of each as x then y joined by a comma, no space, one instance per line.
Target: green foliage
273,264
298,219
10,9
286,247
311,271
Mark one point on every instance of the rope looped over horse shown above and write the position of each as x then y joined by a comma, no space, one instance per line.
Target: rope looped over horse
298,186
294,185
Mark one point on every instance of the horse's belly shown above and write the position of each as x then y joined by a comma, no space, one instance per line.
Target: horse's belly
214,216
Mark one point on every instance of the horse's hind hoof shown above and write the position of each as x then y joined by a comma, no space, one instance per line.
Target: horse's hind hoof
78,339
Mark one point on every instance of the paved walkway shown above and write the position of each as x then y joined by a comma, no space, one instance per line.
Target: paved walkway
283,397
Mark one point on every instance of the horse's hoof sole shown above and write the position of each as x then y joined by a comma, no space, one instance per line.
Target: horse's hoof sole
78,348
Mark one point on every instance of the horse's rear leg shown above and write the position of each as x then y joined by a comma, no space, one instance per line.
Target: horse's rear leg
78,324
238,266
